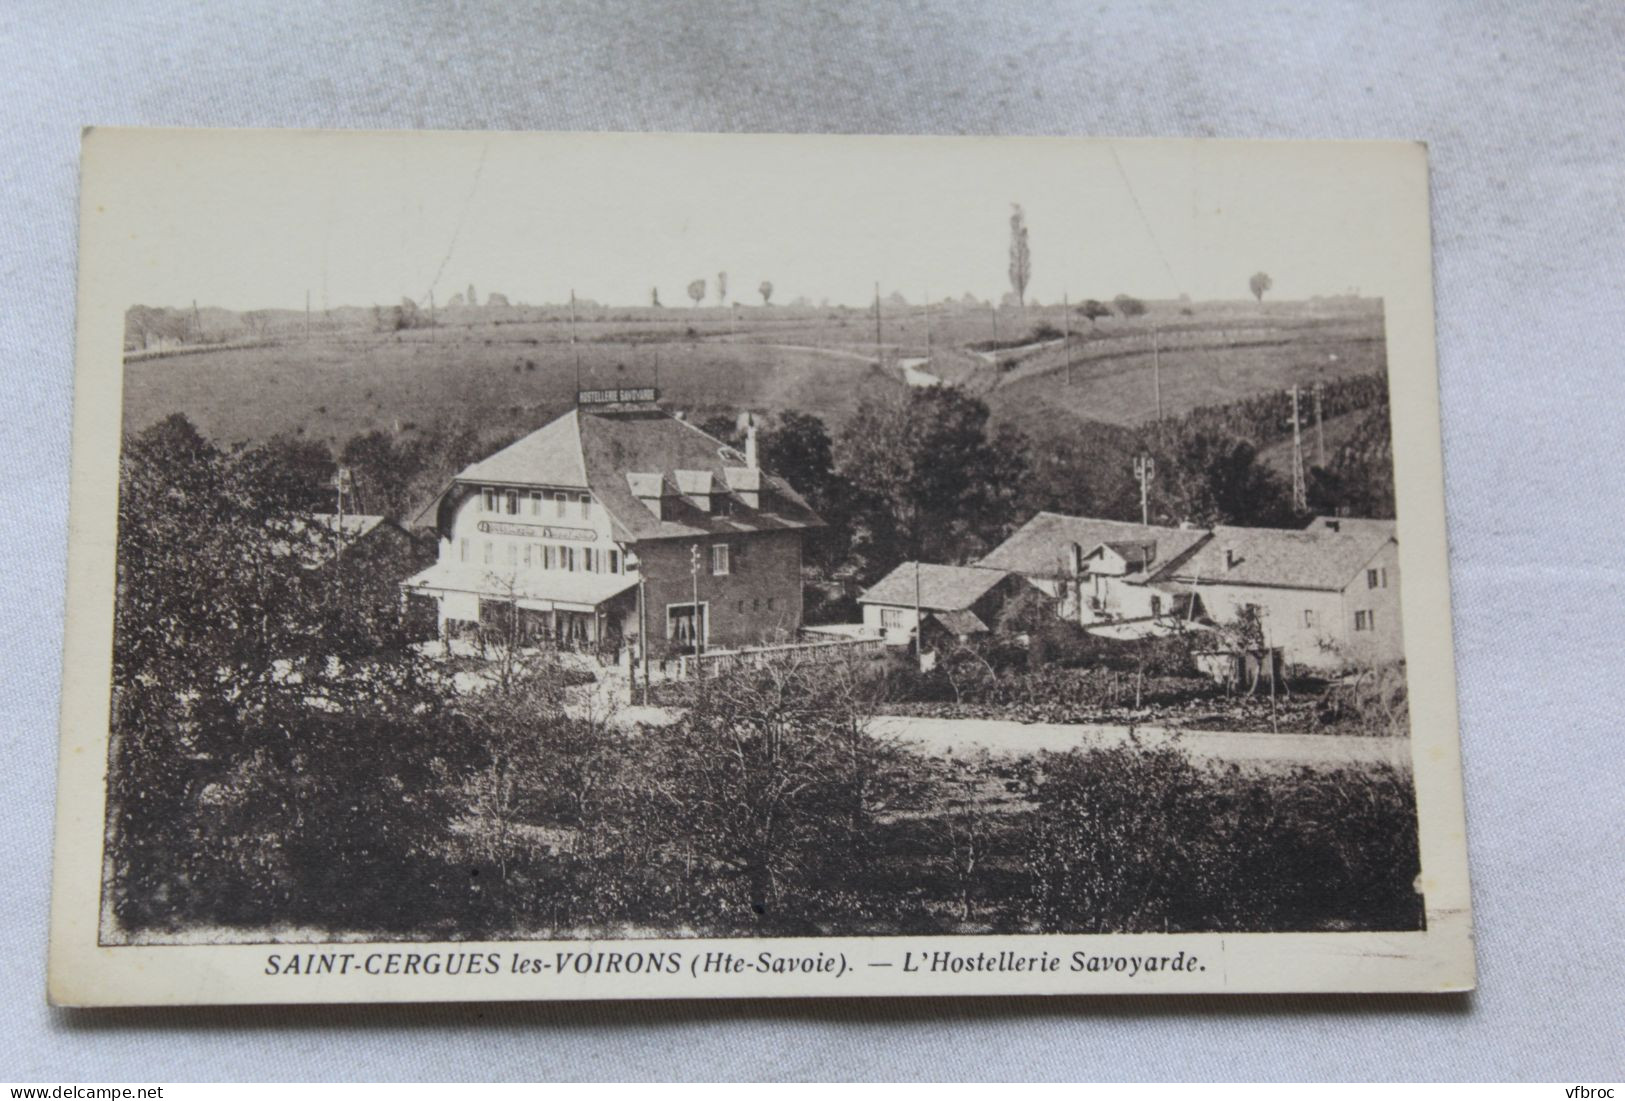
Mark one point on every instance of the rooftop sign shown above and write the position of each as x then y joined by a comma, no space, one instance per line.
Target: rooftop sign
617,397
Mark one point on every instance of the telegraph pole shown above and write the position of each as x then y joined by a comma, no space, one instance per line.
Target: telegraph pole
1066,328
1156,373
880,357
575,350
431,313
1300,495
307,315
694,576
919,625
928,327
1145,469
1320,429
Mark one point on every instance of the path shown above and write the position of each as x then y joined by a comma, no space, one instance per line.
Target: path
968,736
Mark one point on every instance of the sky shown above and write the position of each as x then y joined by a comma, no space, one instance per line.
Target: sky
255,219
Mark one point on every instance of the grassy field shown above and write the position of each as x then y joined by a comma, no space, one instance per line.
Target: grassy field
507,369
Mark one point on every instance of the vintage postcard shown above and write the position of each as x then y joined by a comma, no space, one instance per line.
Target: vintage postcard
511,566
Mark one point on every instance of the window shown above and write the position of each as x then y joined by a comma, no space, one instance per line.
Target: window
586,506
719,559
1376,579
1365,621
593,558
535,502
891,619
1308,617
489,552
510,502
462,550
527,556
568,558
770,603
1156,605
488,500
723,504
756,604
614,561
560,501
550,557
741,607
682,624
513,554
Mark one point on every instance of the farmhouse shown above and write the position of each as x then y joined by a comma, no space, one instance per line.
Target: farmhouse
564,530
1100,571
958,601
1327,596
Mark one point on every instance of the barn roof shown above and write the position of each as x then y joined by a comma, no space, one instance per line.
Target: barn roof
1311,559
1039,547
941,588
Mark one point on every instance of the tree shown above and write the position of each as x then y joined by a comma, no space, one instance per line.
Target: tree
770,788
696,291
928,479
247,683
1258,284
1208,476
1021,260
722,288
1129,306
797,447
473,299
654,297
766,291
1094,309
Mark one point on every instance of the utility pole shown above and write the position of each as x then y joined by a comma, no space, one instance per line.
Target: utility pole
431,313
919,624
1066,329
1145,469
643,623
307,315
928,328
575,350
1320,428
1300,496
880,357
341,483
1156,373
694,576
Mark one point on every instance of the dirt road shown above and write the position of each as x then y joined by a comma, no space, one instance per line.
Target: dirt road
961,737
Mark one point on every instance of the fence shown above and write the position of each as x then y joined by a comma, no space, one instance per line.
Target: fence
709,664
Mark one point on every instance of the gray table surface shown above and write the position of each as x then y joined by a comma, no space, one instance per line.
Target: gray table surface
1522,107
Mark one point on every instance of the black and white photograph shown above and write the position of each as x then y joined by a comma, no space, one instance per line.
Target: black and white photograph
613,564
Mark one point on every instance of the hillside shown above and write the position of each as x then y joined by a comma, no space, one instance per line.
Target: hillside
510,368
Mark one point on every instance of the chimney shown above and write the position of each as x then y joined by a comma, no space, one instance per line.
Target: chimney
1229,558
750,444
1334,525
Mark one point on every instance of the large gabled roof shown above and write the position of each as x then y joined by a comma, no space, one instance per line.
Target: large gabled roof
1311,559
595,450
941,588
1039,548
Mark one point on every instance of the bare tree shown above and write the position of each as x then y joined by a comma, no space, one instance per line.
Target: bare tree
766,291
1259,283
696,291
722,288
1021,260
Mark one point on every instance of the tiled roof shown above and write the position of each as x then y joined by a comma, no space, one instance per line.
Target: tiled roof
598,449
1041,546
1312,559
942,588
